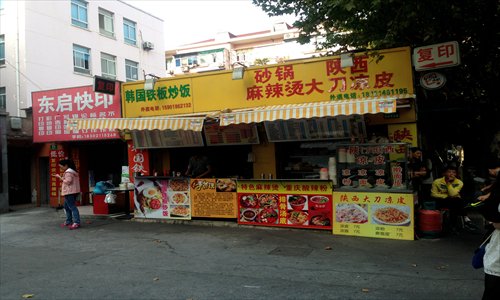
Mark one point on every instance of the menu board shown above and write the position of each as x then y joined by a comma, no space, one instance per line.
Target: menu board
158,198
372,166
166,138
341,127
379,215
300,204
238,134
214,198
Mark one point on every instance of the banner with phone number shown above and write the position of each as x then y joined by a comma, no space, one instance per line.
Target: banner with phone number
371,214
283,203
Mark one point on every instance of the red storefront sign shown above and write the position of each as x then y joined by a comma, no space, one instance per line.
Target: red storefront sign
53,108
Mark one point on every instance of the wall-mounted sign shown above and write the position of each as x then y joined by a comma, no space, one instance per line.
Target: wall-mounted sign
53,108
436,56
104,85
432,80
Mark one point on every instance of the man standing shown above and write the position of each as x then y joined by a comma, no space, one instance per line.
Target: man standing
446,192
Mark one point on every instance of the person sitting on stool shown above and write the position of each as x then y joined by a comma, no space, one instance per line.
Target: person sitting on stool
446,192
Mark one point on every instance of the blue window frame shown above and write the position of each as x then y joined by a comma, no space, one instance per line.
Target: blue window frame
2,49
79,15
131,70
81,59
129,32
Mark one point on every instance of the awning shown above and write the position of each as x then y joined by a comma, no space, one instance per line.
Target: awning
312,110
160,123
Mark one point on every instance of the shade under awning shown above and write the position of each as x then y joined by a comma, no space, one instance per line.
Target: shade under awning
312,110
160,123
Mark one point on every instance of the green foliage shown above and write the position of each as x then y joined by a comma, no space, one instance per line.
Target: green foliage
362,25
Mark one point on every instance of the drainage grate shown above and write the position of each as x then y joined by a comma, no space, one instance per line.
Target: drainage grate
290,251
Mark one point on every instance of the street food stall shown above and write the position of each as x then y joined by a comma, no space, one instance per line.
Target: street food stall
291,138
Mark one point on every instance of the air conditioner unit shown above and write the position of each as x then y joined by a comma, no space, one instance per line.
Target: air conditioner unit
16,123
148,46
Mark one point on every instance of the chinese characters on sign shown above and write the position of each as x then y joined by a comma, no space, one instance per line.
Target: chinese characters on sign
213,198
379,166
436,56
302,204
138,160
52,109
379,215
343,83
56,155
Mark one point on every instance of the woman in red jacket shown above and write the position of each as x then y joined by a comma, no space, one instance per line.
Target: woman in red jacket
70,191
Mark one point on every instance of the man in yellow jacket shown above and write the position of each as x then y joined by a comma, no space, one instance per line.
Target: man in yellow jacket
446,193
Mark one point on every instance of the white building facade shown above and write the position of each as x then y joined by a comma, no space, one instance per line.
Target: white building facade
57,44
276,45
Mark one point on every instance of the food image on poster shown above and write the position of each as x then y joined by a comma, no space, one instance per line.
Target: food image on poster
351,213
268,201
267,216
298,217
391,215
320,220
248,214
249,201
178,198
178,185
318,202
149,198
297,202
179,210
225,185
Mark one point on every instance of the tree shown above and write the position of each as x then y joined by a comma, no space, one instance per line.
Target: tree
368,25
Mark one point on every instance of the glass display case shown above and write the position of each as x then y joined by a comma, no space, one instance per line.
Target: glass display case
373,167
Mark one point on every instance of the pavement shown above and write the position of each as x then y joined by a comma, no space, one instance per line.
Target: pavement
109,258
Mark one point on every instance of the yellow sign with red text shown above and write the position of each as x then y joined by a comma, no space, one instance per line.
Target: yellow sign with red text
371,214
304,81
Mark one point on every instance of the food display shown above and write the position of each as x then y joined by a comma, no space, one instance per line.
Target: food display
268,200
178,185
389,215
149,198
351,213
225,185
320,220
180,210
297,202
179,198
248,200
298,217
268,216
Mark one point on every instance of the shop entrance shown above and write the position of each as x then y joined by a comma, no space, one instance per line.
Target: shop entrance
44,174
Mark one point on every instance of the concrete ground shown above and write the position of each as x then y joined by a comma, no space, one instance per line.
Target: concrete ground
126,259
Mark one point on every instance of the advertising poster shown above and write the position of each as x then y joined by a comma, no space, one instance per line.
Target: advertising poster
57,153
379,215
167,198
214,198
299,204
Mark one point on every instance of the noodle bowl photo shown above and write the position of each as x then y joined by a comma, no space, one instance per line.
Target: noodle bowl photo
391,215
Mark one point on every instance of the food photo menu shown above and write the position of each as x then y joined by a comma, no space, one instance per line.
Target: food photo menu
380,215
162,198
283,203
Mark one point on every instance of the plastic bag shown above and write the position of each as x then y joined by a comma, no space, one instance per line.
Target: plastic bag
102,187
110,198
477,258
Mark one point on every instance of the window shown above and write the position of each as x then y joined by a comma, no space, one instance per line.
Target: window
2,49
129,32
79,13
108,65
81,59
106,20
131,70
3,98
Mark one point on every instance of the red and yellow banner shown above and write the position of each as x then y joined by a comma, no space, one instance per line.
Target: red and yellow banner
301,204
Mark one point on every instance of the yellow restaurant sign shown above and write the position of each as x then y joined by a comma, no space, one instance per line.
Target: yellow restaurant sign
304,81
